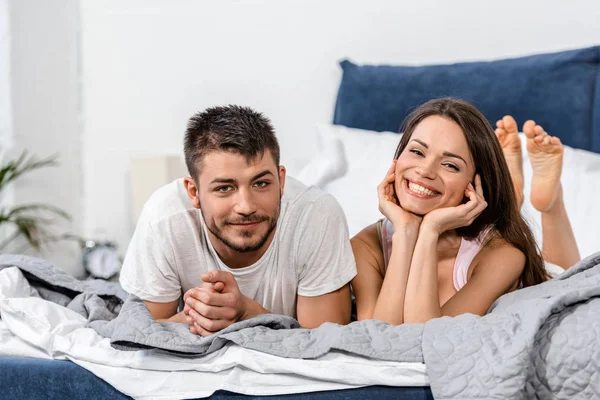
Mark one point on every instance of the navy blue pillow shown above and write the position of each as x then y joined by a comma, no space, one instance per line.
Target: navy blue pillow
561,91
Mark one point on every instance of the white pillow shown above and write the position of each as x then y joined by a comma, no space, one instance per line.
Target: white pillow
328,164
368,155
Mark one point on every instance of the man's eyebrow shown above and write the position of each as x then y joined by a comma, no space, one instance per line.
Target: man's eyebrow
265,172
233,181
446,153
222,180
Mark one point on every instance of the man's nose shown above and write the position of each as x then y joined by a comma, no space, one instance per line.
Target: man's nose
245,204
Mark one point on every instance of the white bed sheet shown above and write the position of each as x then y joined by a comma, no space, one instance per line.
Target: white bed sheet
33,327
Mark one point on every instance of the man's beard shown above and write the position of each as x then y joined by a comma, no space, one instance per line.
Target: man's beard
218,231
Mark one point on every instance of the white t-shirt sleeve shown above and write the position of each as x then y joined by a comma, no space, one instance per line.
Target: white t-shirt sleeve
327,261
148,270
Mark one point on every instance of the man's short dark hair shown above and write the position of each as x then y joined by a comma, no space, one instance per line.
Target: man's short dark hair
231,128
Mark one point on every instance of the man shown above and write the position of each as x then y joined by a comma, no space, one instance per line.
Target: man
231,242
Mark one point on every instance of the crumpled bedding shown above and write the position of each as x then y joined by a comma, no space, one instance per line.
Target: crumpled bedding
539,342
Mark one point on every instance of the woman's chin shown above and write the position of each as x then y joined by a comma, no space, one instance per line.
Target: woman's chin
416,209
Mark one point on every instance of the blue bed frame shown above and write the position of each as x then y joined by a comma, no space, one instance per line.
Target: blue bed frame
32,378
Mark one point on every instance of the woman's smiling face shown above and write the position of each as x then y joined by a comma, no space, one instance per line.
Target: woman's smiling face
435,168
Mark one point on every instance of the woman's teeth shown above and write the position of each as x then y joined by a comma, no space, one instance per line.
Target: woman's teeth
420,189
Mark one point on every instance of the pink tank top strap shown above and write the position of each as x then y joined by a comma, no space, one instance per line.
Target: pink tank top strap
387,231
466,253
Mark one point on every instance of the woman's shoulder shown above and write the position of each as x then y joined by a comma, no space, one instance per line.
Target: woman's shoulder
370,236
367,242
497,251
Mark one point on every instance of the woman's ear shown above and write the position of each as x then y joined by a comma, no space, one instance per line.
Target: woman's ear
465,199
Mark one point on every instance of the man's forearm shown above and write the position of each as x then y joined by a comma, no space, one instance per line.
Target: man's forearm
180,317
252,309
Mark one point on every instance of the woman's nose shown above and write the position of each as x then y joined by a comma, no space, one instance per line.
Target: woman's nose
427,170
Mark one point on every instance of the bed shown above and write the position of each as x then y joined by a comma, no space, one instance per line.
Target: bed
372,102
18,374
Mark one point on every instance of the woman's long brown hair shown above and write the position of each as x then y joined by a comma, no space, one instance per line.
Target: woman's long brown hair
502,212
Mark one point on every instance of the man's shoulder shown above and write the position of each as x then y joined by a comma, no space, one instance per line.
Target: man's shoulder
308,203
168,201
298,196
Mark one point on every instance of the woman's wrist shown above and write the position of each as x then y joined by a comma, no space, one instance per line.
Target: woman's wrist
430,228
407,235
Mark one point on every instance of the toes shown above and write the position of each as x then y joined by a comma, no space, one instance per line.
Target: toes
528,128
509,123
555,141
538,138
546,140
539,131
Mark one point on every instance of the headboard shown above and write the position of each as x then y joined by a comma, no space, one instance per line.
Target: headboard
561,91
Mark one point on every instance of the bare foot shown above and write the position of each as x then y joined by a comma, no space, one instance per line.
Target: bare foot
546,156
508,136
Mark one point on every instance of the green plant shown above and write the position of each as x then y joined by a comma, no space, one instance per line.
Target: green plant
29,221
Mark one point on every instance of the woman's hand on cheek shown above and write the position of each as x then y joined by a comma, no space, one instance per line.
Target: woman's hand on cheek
403,221
445,219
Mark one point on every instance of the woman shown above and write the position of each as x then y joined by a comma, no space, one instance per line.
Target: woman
453,239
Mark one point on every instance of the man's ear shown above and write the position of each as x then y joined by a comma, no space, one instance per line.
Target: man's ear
282,173
192,191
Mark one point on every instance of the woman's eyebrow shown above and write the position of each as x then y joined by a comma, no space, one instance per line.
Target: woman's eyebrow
446,153
421,143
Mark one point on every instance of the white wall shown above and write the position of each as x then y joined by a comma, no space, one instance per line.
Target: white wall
44,70
148,65
6,134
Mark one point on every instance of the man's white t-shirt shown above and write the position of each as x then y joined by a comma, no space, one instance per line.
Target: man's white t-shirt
310,254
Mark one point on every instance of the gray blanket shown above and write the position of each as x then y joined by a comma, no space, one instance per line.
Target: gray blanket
541,341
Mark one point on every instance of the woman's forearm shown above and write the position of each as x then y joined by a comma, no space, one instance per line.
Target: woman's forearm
390,302
422,298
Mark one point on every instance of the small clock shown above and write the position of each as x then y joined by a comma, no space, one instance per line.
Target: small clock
100,259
